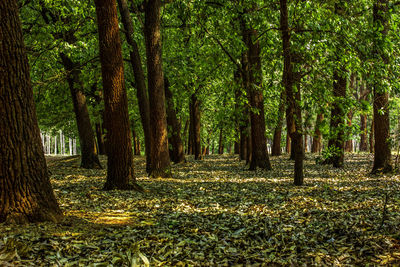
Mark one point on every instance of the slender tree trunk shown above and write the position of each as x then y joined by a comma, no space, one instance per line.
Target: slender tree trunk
160,161
120,170
253,81
196,126
191,130
90,158
371,137
348,147
276,143
293,98
136,143
221,142
100,139
136,63
185,135
176,152
288,145
26,194
243,143
382,150
363,134
316,146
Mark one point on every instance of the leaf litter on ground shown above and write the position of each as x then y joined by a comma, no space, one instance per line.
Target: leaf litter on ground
216,212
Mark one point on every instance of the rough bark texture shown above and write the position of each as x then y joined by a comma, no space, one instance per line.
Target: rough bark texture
293,97
90,158
120,170
160,161
176,152
136,63
382,152
276,143
196,126
316,146
26,194
253,82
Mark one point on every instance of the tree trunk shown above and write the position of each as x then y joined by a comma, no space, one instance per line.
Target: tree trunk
136,63
136,143
371,136
382,150
221,142
120,170
293,98
160,161
26,194
196,126
176,152
253,83
336,138
363,134
100,139
90,158
316,146
348,147
243,143
276,143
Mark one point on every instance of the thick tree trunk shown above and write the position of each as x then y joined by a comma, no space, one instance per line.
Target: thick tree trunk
120,170
316,146
276,143
363,134
336,139
100,139
176,152
221,142
136,63
26,194
160,161
196,126
382,150
293,98
253,81
90,158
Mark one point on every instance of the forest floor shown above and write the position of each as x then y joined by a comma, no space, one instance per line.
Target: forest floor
216,213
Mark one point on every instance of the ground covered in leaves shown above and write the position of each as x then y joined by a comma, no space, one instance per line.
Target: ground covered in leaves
216,213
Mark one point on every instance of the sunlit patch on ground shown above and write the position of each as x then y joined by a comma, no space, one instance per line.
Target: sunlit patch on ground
216,212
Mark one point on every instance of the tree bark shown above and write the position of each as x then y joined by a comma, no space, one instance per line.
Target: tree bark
136,143
371,137
293,98
90,158
176,152
382,150
136,63
100,139
363,134
26,194
253,83
276,143
120,170
348,147
316,146
160,161
221,142
196,126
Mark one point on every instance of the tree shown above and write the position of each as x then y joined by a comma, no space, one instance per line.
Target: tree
25,189
382,151
120,170
160,161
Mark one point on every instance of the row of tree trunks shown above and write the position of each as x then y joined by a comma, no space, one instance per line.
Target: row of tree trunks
160,161
140,81
120,169
26,194
136,142
176,152
293,97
